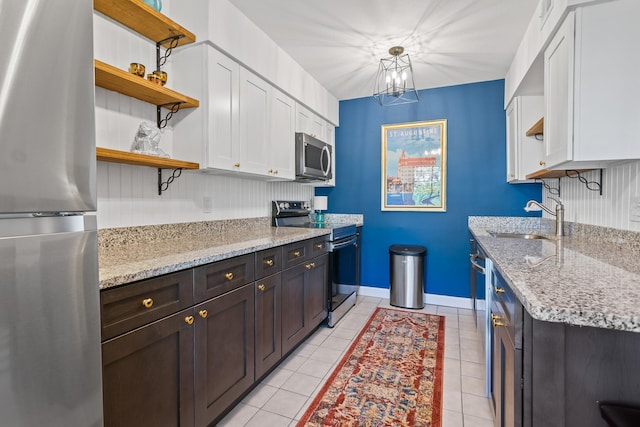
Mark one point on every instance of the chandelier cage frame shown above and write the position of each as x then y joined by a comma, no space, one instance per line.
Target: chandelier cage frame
394,81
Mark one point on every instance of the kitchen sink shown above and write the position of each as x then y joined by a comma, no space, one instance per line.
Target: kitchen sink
526,236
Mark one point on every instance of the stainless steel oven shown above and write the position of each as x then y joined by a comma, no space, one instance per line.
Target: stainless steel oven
343,244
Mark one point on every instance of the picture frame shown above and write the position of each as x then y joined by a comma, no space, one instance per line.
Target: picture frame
414,166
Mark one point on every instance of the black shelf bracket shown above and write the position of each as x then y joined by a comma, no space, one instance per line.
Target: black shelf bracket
162,59
163,186
173,108
554,191
591,185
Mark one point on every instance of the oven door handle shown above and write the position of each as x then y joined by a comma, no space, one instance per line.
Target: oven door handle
332,247
475,265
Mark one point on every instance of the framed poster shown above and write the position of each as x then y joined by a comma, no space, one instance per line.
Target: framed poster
414,166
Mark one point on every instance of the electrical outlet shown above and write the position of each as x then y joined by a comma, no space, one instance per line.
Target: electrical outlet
634,210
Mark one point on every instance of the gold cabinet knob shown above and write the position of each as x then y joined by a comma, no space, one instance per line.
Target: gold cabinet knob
275,172
296,254
310,265
147,302
203,313
270,171
236,165
229,276
262,287
542,163
498,290
319,246
269,262
496,320
189,320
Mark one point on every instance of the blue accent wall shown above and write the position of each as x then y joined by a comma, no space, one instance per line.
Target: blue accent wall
476,180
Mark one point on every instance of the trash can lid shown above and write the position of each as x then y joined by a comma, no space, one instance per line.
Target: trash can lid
410,250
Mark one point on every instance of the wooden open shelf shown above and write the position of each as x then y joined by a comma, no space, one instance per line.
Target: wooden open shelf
547,173
112,78
536,129
143,19
117,156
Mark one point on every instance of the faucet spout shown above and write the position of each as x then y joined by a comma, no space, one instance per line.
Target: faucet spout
533,205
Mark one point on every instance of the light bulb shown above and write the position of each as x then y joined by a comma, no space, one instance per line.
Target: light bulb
394,74
404,76
388,79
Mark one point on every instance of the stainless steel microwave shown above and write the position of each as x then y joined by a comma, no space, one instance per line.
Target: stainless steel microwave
313,158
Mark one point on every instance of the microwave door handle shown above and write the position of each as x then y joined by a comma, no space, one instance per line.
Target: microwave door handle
325,149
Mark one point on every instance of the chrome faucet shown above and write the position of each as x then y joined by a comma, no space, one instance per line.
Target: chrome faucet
533,205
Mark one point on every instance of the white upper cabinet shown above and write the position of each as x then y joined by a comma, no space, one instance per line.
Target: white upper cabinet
590,75
245,125
523,152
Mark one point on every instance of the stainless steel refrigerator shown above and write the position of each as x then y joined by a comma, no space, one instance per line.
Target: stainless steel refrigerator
50,368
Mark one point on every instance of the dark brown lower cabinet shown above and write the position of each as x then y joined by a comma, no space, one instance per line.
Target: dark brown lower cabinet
224,352
268,323
304,300
148,375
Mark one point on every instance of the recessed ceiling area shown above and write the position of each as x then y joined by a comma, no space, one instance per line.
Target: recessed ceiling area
340,42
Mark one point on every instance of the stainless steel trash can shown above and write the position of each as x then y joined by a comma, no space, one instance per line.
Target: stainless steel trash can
407,275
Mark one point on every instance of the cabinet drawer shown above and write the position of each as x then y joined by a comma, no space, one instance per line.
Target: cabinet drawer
268,262
318,246
219,277
295,253
128,307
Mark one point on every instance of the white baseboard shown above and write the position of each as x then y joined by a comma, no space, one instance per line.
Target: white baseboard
433,299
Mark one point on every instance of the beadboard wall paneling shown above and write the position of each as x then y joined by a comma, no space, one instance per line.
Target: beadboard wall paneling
621,184
128,196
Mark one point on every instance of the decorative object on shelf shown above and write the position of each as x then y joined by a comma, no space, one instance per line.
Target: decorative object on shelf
320,203
146,141
137,69
161,76
156,4
153,78
414,166
394,81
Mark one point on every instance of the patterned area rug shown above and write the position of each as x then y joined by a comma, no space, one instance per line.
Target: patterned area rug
390,376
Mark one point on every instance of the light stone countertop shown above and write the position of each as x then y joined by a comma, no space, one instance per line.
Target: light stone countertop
589,278
126,263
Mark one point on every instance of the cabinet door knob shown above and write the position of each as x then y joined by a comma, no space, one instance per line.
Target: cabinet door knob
542,163
319,246
498,290
189,320
229,276
203,313
147,302
296,254
269,262
236,165
310,265
275,171
270,171
262,287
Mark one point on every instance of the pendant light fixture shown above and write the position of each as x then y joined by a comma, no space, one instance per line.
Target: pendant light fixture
394,81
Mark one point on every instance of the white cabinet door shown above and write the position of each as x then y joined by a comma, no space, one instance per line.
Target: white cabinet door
558,89
223,96
255,97
523,152
310,123
282,136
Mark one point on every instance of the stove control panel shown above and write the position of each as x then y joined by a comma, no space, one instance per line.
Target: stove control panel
287,206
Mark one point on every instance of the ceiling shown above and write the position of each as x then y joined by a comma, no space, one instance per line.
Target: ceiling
340,42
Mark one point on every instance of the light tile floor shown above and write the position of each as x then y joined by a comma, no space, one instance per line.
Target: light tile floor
284,395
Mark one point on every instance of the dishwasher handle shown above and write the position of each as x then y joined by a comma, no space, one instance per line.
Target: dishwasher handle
475,265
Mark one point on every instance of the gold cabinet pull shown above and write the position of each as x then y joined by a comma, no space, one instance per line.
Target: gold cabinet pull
319,246
296,254
236,165
229,276
498,290
189,320
262,287
269,262
542,163
310,265
147,302
203,313
270,171
496,320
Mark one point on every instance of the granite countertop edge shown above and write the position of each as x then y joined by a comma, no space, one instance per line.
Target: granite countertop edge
589,284
123,264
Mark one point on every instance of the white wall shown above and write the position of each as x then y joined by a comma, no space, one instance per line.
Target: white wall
612,209
128,195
